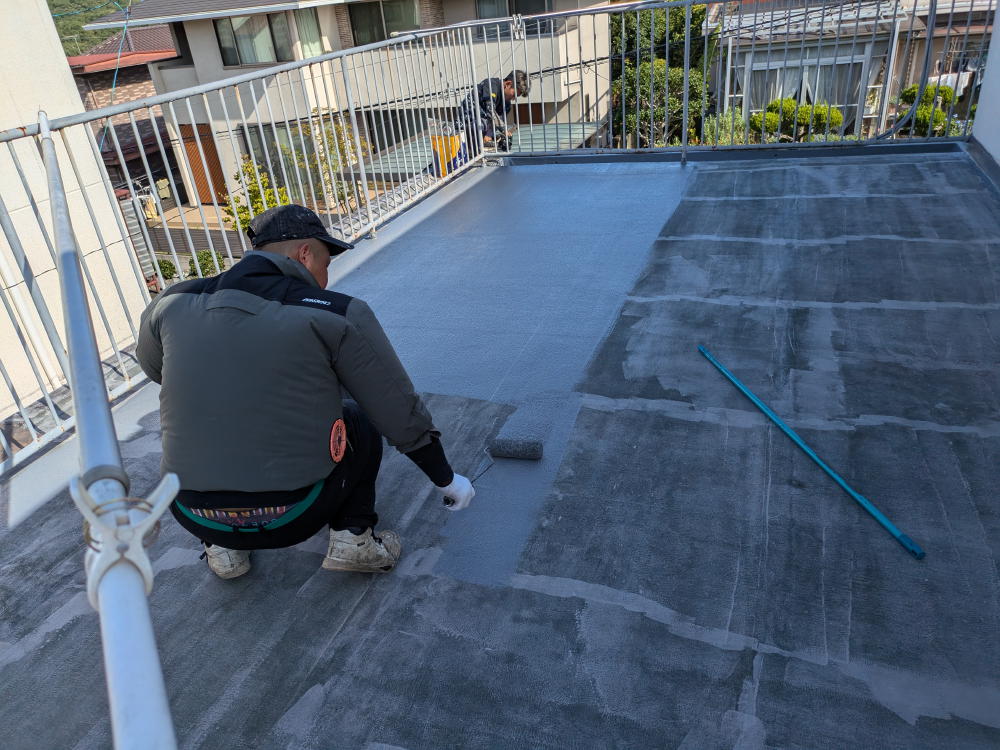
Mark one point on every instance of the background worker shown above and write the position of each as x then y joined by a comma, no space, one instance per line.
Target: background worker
494,99
252,365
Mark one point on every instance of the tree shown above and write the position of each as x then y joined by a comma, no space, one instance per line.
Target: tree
329,151
654,102
70,16
647,58
260,195
667,40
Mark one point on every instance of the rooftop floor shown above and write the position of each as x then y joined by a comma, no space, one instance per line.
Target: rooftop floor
674,572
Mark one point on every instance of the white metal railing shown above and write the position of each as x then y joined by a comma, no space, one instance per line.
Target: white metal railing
663,76
162,189
119,575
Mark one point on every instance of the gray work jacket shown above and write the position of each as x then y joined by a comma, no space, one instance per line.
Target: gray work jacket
252,364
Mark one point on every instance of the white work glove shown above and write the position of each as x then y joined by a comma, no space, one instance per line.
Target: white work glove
458,494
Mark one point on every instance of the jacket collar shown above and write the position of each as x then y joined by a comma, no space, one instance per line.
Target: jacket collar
285,265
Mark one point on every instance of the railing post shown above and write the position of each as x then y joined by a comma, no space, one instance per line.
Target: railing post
687,81
477,147
357,143
119,574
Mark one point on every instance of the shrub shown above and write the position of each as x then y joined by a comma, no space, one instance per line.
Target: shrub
768,122
727,129
823,116
794,120
654,82
208,261
255,180
785,108
167,269
928,120
943,94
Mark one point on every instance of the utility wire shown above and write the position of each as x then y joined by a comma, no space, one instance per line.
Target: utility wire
86,10
114,79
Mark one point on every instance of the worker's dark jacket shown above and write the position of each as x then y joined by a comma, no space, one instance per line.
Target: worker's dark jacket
490,101
251,364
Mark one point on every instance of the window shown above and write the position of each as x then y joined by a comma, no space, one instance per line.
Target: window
373,22
504,8
254,40
307,29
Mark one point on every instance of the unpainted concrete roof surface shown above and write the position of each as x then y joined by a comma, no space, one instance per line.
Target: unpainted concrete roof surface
674,573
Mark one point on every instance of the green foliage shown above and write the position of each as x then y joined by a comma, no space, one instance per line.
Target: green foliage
167,269
786,109
825,116
655,125
256,198
75,40
788,120
330,150
832,138
208,261
768,123
630,31
727,129
928,121
647,59
943,94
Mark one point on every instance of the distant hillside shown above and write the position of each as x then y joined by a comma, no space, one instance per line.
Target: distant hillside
74,39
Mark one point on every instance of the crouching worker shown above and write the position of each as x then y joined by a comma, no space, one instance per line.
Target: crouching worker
252,365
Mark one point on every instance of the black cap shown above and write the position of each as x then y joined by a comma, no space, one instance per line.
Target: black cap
292,222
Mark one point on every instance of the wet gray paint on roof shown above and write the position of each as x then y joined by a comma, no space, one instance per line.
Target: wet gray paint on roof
674,573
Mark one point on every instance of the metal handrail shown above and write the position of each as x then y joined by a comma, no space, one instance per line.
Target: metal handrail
118,568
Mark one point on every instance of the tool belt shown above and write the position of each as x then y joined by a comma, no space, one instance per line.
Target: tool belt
265,518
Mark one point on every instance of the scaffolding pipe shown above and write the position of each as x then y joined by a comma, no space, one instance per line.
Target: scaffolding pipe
118,571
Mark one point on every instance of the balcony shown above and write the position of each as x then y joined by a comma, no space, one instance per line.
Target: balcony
674,572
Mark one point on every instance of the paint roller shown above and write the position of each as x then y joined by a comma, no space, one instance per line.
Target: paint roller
518,439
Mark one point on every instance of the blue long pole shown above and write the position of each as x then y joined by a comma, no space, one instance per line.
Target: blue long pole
912,547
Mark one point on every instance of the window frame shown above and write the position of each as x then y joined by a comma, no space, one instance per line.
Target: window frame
289,25
531,28
381,14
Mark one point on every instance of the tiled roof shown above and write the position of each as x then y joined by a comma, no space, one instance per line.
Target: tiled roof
142,39
97,63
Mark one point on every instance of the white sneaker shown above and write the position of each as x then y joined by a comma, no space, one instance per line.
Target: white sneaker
227,563
366,552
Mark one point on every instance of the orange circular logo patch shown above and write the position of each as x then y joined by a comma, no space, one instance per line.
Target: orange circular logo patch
338,441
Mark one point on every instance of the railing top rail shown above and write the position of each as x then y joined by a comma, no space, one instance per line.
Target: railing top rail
205,88
397,39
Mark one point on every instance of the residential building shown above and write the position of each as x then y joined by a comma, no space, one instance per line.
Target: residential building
844,54
117,71
219,39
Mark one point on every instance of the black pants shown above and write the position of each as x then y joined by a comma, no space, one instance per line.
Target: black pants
346,500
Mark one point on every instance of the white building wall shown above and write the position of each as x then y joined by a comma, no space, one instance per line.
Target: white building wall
985,128
28,34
